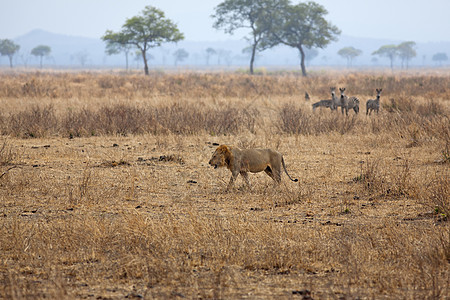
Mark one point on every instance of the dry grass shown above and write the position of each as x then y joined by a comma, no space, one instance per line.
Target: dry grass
106,191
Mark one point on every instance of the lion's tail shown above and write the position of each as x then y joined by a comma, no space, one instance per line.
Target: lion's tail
284,166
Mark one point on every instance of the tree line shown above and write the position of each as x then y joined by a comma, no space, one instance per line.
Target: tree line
405,51
269,23
9,48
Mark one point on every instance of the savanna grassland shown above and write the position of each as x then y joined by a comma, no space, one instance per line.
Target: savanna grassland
106,191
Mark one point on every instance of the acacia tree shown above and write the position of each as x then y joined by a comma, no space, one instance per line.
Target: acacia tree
117,43
440,57
231,15
310,54
406,52
210,51
148,30
41,51
302,26
389,51
349,53
8,48
180,55
81,57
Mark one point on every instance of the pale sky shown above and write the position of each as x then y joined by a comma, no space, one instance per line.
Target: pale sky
405,20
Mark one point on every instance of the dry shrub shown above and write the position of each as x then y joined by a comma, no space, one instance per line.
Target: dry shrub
431,108
183,118
7,154
8,161
37,121
295,120
445,136
79,123
406,104
387,180
122,119
125,119
231,120
36,88
399,104
370,177
109,82
437,195
421,261
416,121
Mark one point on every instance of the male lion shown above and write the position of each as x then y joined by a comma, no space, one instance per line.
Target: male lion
241,161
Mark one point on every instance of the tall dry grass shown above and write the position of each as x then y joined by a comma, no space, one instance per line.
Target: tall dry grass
91,210
181,104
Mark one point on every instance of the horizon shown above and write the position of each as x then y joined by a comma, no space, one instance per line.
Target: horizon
68,50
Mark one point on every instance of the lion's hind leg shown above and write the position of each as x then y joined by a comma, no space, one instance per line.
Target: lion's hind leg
275,176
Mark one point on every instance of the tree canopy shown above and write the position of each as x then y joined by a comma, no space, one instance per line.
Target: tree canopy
180,55
406,52
209,52
310,54
257,16
41,51
302,25
389,51
149,29
349,53
117,42
440,57
8,48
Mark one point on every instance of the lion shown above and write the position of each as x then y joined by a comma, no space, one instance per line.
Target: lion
241,161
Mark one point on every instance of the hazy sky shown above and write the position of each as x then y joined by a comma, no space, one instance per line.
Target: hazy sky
417,20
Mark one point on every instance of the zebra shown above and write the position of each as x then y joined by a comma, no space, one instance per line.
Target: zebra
373,104
326,103
335,101
348,102
323,103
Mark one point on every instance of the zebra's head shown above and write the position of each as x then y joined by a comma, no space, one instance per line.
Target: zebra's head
378,92
342,90
333,91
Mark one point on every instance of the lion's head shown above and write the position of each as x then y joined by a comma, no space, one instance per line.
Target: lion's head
221,157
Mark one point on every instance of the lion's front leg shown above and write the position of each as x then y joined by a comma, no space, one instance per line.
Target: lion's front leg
234,175
245,176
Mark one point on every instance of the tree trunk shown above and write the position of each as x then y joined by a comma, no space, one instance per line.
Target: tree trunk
40,62
302,60
126,60
252,59
144,56
10,61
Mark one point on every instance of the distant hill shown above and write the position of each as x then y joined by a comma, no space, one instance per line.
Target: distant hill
75,51
65,49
